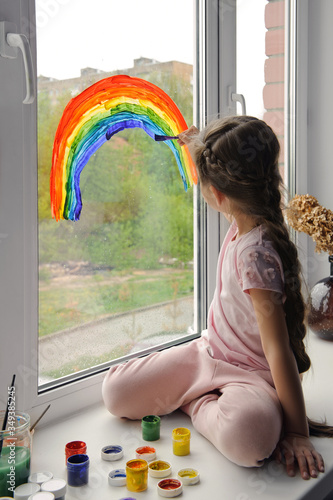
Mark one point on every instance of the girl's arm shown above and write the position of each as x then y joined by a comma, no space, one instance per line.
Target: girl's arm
295,446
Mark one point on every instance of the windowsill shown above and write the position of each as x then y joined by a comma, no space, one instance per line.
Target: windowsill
98,428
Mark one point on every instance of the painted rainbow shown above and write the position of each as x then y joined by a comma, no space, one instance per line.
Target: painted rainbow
91,118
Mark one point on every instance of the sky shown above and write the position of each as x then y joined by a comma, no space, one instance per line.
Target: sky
110,34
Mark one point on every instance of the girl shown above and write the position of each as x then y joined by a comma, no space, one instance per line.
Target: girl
240,382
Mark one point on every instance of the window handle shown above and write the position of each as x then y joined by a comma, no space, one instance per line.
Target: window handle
239,98
10,41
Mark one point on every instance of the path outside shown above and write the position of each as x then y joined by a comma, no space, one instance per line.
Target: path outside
138,329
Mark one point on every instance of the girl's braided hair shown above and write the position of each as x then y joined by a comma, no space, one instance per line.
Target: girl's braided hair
239,157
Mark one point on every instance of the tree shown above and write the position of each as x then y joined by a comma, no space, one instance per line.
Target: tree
134,206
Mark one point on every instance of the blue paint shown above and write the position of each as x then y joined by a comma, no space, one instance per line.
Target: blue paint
112,449
118,473
78,470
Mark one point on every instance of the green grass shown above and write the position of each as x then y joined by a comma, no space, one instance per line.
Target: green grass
64,307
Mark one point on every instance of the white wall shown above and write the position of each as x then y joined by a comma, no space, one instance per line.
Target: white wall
320,123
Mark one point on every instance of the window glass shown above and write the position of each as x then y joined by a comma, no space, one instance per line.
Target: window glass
120,279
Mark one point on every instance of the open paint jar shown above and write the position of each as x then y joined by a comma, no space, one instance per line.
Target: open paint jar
78,470
137,475
151,427
181,441
169,488
16,448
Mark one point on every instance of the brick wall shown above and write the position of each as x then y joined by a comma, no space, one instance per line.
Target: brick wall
273,92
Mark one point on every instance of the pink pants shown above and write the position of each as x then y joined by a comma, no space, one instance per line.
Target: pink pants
236,409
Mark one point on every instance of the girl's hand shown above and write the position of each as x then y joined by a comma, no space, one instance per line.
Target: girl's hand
186,136
296,450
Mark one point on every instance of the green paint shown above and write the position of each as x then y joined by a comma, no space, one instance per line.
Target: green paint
14,468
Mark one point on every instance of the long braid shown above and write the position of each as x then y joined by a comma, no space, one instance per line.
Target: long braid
294,305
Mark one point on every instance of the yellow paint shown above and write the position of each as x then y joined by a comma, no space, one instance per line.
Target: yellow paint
159,465
188,473
181,441
137,475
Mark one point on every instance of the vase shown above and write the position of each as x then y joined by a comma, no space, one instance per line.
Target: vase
320,317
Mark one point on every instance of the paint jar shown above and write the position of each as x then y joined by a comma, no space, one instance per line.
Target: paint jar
78,470
56,486
181,441
16,448
137,475
24,491
75,448
151,427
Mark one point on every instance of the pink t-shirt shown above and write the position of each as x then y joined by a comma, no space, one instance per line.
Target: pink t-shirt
249,261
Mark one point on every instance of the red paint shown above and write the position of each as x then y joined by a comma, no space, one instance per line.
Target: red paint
76,445
137,464
75,448
169,484
145,449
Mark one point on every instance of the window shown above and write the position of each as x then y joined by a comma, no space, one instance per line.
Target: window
120,280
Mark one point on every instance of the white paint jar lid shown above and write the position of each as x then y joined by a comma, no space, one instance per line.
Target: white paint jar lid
159,468
117,477
42,495
24,491
176,488
146,453
188,476
40,477
56,486
111,453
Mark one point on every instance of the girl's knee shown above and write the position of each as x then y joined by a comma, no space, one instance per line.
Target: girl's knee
114,394
251,436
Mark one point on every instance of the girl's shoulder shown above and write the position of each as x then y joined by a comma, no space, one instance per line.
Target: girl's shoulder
258,263
255,249
256,238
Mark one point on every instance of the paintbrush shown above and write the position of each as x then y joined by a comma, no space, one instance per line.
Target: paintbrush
165,137
4,424
38,419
